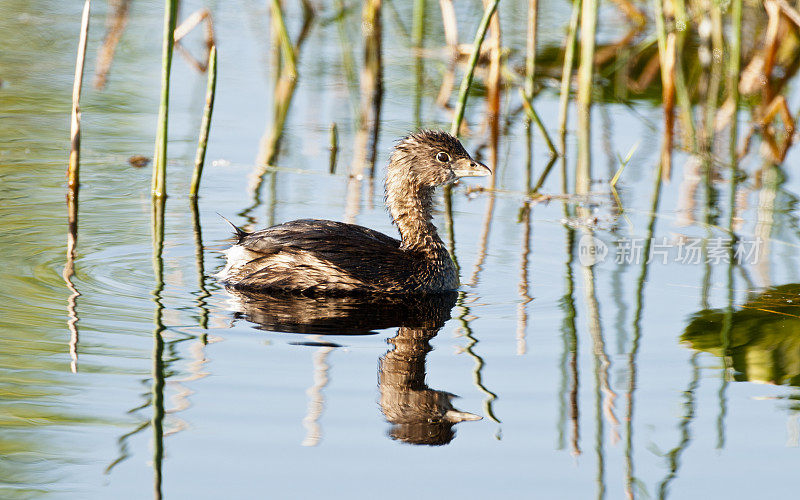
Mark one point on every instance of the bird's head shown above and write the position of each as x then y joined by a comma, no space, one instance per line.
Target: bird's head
432,158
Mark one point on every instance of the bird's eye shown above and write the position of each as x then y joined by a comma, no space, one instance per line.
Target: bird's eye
443,157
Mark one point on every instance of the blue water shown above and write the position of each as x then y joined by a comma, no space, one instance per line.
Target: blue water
623,404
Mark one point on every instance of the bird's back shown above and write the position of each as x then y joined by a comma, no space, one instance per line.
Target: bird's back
322,256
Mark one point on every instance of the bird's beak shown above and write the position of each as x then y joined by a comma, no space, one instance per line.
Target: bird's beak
467,167
456,416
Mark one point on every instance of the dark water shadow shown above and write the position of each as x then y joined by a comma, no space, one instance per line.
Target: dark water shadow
418,414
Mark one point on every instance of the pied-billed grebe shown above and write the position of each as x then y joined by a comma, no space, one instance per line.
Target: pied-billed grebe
327,257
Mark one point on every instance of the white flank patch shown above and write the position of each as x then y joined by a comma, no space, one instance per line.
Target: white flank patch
237,256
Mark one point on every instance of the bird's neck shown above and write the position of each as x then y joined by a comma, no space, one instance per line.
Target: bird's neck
410,207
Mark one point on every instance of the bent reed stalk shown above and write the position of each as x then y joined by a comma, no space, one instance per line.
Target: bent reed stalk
466,82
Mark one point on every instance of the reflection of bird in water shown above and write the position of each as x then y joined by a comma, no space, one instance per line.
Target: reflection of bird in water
339,315
327,257
763,342
419,415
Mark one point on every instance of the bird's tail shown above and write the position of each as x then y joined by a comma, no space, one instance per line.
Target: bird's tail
239,232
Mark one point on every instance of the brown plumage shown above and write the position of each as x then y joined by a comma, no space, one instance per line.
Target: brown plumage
322,256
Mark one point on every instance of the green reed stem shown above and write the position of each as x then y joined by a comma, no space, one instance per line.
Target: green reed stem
205,126
733,72
285,84
661,30
566,77
682,95
418,28
534,116
458,117
334,147
466,82
160,161
418,41
287,48
73,173
715,77
530,53
733,87
569,61
528,159
583,172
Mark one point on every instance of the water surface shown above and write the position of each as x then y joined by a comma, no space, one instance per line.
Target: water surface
142,376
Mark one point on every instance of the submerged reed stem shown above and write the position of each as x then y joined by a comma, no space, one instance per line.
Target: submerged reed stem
200,157
160,161
73,173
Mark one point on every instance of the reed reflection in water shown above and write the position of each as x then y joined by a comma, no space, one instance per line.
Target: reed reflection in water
418,414
763,343
753,341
